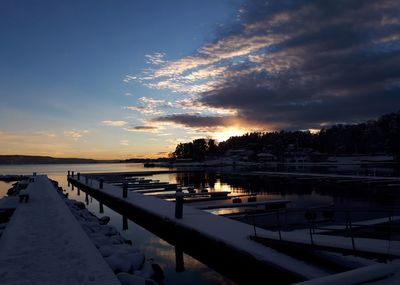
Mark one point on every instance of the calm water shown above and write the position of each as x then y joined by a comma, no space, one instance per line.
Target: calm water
162,252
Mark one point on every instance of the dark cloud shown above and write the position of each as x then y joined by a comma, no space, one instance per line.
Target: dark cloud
339,62
195,120
142,128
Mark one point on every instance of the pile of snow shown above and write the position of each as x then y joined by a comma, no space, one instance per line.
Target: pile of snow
127,261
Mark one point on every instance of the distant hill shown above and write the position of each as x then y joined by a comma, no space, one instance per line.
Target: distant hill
28,159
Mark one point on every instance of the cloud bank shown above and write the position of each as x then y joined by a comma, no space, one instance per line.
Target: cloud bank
290,64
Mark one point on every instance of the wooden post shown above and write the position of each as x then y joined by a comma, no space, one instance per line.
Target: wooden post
79,175
179,205
101,210
125,190
73,173
87,198
124,223
69,173
278,224
101,183
179,262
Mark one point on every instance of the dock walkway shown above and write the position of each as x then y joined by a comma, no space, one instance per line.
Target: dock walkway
44,244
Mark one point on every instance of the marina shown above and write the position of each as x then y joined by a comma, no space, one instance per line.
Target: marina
265,245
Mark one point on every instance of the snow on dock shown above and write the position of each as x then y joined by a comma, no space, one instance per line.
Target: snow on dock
214,228
324,176
242,205
379,274
44,244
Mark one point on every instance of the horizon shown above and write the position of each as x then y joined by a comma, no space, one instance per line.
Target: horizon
129,79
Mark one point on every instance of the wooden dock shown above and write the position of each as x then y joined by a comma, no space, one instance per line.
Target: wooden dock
213,235
43,243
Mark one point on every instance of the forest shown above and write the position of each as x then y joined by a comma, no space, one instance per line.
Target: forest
371,137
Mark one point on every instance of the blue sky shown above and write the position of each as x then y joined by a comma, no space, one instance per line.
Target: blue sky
63,65
119,79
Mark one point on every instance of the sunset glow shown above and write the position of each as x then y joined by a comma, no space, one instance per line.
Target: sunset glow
151,74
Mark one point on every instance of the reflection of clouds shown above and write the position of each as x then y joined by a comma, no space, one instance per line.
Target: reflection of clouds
216,278
161,248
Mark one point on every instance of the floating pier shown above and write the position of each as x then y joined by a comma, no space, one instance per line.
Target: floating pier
217,236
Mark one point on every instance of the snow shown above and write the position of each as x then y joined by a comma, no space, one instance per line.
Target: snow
318,175
44,244
10,202
129,279
232,233
379,274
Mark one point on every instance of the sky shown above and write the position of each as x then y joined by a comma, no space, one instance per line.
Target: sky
127,78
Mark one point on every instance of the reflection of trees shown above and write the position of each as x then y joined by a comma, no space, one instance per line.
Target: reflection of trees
198,179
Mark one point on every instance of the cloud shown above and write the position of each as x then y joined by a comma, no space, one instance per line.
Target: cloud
46,134
144,110
124,142
148,106
115,123
195,120
75,134
128,94
291,64
148,129
155,58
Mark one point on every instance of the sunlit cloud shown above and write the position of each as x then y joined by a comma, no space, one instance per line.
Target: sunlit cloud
115,123
144,110
75,134
46,134
156,58
124,142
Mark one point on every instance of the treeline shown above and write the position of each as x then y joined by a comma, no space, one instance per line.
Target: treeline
375,136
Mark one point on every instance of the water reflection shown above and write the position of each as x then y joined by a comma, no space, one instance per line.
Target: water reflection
4,186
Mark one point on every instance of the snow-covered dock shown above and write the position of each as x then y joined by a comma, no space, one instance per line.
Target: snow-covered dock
44,244
338,177
212,229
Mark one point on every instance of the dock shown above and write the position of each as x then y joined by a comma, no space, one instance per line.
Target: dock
43,243
341,178
206,231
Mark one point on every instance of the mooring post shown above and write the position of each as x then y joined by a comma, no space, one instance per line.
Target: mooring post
78,175
69,173
79,191
124,223
125,190
350,229
86,198
72,173
101,210
179,205
179,261
101,183
278,224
